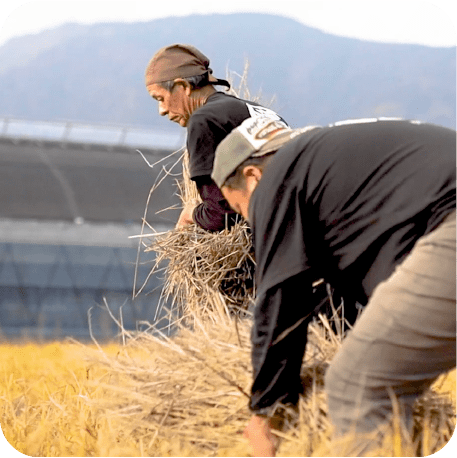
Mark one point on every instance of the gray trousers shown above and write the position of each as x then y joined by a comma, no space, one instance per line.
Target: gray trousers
404,339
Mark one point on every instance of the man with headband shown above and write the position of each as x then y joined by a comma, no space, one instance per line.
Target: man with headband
179,78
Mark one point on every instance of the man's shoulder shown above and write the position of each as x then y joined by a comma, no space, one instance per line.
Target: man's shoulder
227,108
220,101
220,110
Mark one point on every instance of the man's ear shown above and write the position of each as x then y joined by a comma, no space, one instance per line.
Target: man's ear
252,176
185,84
251,171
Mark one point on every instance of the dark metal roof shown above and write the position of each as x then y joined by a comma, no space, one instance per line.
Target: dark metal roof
83,181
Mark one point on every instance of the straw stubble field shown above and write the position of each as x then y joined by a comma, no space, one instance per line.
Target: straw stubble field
182,396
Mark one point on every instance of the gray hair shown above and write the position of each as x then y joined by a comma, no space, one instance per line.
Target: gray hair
197,81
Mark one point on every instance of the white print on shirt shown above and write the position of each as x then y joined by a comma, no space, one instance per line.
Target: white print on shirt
367,120
255,111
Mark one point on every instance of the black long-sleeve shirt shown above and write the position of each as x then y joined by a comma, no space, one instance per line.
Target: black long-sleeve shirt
345,203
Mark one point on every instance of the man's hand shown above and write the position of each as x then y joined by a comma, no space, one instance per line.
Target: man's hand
185,218
258,432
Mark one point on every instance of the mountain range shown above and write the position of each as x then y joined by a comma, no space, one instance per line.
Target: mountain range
95,73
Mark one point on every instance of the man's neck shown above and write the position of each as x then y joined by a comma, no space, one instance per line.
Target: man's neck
200,96
205,92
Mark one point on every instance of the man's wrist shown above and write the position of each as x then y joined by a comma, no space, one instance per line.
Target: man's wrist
274,421
277,414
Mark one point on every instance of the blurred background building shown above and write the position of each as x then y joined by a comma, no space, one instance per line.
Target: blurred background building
71,196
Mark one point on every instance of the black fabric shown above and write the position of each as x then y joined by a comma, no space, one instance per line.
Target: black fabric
221,82
345,203
214,214
207,127
211,123
277,350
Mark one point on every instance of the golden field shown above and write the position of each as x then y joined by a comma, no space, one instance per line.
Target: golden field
181,396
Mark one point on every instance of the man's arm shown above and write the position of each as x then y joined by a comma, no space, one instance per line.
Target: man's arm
186,216
279,338
214,213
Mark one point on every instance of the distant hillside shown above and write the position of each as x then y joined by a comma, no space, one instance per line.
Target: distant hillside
94,73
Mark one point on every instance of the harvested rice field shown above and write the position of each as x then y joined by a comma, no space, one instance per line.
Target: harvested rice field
152,395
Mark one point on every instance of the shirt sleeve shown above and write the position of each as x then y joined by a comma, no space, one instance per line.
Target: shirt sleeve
279,338
214,213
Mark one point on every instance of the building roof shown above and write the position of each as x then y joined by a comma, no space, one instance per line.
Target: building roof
69,181
74,132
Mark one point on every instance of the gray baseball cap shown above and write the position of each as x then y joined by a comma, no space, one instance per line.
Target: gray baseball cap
255,137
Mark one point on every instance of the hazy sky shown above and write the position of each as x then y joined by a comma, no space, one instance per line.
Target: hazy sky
428,22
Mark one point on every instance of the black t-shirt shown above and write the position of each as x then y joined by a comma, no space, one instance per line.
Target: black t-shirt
345,203
207,127
211,123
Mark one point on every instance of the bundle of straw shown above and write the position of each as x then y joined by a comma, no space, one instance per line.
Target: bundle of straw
199,264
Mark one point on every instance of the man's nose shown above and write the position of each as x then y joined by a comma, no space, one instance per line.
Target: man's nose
162,110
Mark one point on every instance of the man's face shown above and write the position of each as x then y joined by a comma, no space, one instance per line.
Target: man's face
174,104
239,198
